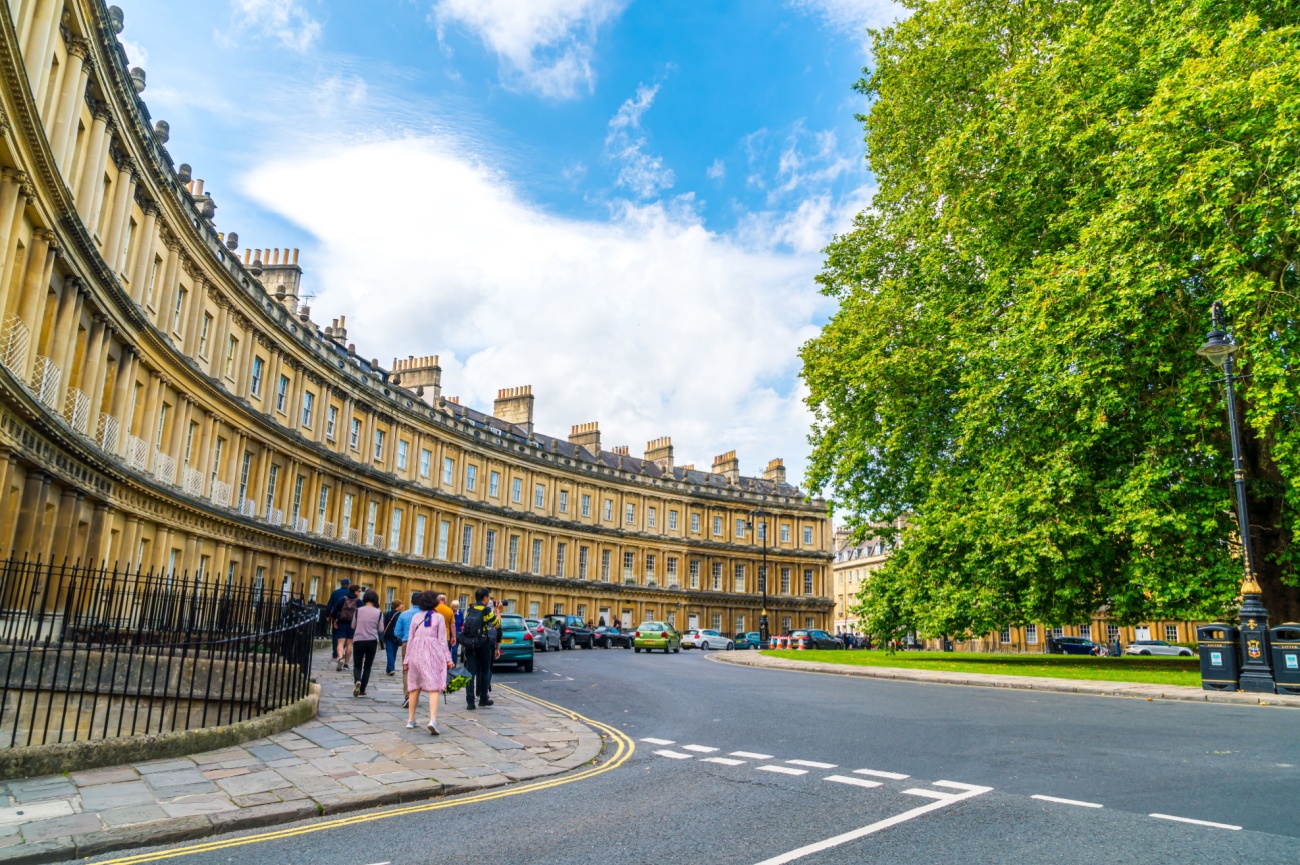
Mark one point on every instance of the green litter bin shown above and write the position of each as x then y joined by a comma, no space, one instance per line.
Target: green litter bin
1220,656
1285,643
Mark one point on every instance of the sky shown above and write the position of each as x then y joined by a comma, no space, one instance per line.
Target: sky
621,203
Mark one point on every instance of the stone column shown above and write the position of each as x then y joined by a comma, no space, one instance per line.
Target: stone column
343,434
273,380
149,420
122,388
115,231
180,427
65,522
31,513
7,514
95,369
139,276
217,341
31,307
244,373
168,322
90,187
203,456
162,547
66,323
70,99
194,316
130,544
94,555
35,56
12,193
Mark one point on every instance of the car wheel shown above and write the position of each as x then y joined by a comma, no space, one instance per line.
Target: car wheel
675,651
1144,652
526,666
1185,653
730,646
638,651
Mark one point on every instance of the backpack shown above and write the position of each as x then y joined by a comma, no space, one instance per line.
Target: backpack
473,633
347,610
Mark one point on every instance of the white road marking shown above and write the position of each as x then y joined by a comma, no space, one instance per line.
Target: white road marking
725,761
783,770
811,764
701,749
933,794
751,755
818,847
659,741
1066,801
674,755
893,776
957,785
1195,822
856,782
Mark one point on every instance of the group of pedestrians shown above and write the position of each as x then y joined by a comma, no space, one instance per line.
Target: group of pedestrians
853,641
432,636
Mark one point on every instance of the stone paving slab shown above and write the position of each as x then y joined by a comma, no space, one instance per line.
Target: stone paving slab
355,754
1181,693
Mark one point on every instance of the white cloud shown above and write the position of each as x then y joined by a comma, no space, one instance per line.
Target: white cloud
640,173
647,322
136,55
544,46
853,17
286,20
717,170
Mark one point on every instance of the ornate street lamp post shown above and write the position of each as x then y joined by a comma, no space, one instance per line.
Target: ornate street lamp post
764,633
1256,674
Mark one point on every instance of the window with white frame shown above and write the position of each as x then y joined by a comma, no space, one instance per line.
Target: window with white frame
512,553
1058,631
1085,631
270,488
564,501
372,522
586,505
583,553
421,522
494,484
1005,636
695,524
1031,635
395,531
1112,632
740,624
282,394
808,581
785,624
740,528
785,581
297,499
176,310
1171,633
807,535
308,404
650,517
444,532
695,574
539,496
346,517
629,515
448,470
785,533
672,521
650,567
809,622
717,577
403,447
609,509
205,331
331,421
537,556
232,348
762,531
740,578
322,508
717,527
471,477
256,386
717,621
490,549
670,570
354,438
604,565
466,544
426,456
534,609
516,490
628,571
561,548
379,444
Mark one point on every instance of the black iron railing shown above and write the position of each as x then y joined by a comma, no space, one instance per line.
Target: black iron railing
94,653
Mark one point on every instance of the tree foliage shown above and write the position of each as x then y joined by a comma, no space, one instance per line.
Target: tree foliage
1064,188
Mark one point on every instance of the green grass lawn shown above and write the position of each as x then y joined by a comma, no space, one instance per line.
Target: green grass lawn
1154,671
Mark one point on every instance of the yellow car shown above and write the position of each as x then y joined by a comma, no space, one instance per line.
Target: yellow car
657,635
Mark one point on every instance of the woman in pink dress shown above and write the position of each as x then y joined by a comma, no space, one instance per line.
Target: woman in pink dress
427,660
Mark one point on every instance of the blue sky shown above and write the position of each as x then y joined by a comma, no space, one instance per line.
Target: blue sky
621,203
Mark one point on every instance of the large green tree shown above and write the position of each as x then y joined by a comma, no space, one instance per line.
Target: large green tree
1063,189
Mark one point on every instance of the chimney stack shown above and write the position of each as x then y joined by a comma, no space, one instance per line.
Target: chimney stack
728,466
660,452
419,372
586,435
775,471
515,405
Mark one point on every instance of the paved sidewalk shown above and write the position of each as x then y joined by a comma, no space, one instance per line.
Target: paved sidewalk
1026,683
355,754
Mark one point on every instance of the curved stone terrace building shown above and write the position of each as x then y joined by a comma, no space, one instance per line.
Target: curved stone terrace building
167,403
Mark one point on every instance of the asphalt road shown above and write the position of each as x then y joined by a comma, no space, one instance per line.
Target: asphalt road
745,766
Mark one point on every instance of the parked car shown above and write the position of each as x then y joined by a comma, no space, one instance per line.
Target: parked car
747,640
516,643
813,639
1156,647
1077,646
573,631
700,638
608,638
545,637
656,635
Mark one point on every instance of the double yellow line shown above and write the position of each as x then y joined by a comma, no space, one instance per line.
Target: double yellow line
623,748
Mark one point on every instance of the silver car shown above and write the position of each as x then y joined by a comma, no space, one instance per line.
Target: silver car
545,637
1156,647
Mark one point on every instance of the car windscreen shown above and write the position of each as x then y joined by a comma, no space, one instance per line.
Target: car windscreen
512,623
651,626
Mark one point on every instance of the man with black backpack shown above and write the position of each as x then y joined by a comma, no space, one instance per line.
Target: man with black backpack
344,622
477,647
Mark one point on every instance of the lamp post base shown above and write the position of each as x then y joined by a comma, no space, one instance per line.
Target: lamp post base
1256,672
764,634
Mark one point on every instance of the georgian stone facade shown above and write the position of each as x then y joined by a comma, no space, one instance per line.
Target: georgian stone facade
167,402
